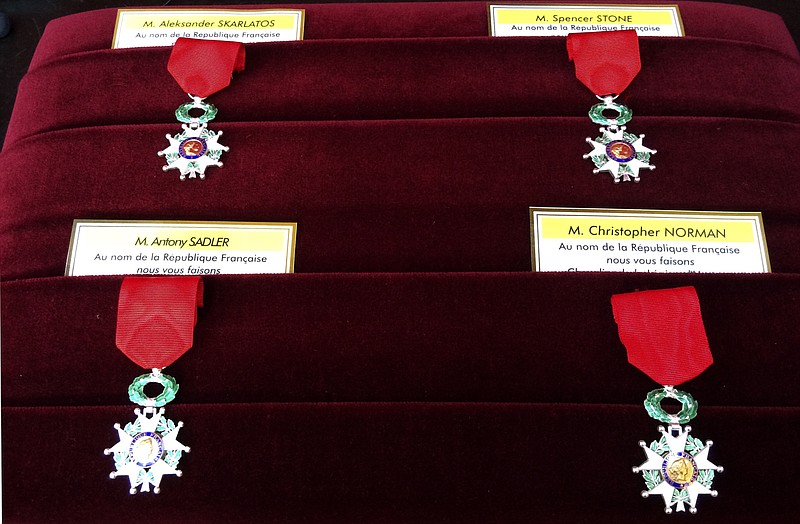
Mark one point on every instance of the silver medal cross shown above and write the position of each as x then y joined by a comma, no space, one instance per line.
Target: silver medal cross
196,147
616,151
676,466
148,447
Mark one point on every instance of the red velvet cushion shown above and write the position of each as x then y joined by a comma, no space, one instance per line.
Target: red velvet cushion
401,154
413,369
484,397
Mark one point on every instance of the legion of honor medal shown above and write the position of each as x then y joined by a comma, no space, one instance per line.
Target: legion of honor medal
201,68
677,467
148,447
664,336
606,62
196,147
155,321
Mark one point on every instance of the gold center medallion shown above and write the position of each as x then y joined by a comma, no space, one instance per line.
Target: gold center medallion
680,470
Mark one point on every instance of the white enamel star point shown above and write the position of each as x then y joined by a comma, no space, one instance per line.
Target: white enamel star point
148,449
677,469
619,153
193,150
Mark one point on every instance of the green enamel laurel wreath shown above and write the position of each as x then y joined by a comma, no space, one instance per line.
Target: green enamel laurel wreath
137,395
209,112
653,405
624,114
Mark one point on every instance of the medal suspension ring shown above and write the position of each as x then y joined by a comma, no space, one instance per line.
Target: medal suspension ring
137,395
209,112
688,405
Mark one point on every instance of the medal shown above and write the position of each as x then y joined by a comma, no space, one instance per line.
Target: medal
201,68
606,62
155,321
664,336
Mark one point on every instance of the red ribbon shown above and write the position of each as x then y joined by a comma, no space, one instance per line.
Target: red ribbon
156,318
203,67
607,61
663,333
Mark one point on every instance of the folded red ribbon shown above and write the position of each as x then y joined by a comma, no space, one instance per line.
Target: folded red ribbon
663,333
203,67
606,61
156,318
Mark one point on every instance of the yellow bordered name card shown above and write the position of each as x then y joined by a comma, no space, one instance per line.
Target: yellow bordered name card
150,247
647,241
161,27
560,20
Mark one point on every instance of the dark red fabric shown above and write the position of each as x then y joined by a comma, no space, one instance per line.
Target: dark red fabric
390,79
397,398
357,20
460,463
465,463
361,167
448,337
156,318
414,369
605,61
203,67
663,333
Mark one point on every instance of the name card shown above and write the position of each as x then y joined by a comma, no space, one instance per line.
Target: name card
161,27
647,241
121,247
560,20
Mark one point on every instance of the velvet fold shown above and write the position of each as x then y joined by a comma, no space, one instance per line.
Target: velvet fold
414,369
391,462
